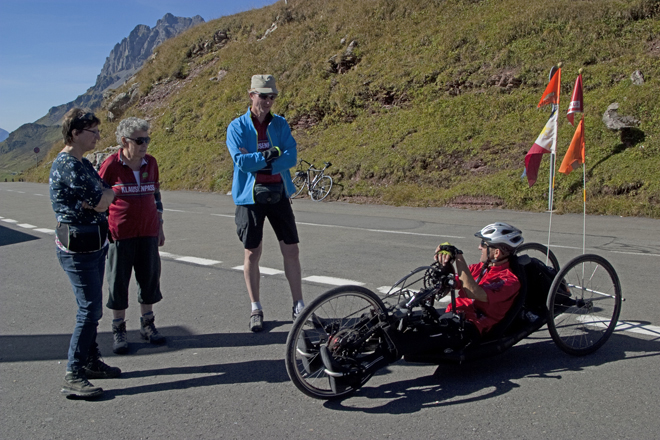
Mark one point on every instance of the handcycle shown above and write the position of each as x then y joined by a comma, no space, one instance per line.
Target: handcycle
317,182
346,334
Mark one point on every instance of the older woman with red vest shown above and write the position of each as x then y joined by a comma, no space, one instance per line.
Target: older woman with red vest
136,229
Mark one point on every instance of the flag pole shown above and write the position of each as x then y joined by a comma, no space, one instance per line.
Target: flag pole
584,203
551,183
584,190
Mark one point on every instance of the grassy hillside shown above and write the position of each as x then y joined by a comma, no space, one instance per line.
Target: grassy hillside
417,102
18,149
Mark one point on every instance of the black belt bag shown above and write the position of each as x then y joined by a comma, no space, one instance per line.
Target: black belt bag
82,238
268,193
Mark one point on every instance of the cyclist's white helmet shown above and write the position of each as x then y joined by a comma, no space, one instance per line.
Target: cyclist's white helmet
501,235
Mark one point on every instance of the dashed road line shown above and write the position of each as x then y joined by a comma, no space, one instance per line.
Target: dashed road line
262,270
26,225
331,281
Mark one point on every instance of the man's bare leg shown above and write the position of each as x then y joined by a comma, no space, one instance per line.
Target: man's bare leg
292,270
251,272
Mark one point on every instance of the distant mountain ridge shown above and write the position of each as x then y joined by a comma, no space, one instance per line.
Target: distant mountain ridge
126,58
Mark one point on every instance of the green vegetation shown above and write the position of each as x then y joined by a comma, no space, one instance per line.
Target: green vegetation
436,103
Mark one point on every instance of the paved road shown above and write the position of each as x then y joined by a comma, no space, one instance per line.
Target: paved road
215,379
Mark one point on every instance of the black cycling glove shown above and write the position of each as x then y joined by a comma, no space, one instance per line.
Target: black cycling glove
446,248
271,154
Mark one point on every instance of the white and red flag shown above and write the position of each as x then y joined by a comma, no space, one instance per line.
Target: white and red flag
576,100
544,145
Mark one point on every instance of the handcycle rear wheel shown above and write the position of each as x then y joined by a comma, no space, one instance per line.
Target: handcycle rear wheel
540,252
321,188
299,182
584,304
342,310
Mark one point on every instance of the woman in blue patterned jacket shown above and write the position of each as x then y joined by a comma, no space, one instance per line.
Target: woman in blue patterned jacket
80,200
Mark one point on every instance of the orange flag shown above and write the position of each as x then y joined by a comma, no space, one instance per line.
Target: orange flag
575,154
551,94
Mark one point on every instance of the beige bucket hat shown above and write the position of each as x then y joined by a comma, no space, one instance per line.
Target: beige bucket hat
263,84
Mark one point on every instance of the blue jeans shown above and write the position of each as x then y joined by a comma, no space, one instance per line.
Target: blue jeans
85,272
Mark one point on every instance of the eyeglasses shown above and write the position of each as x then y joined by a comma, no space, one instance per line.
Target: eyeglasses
140,140
484,244
94,132
265,96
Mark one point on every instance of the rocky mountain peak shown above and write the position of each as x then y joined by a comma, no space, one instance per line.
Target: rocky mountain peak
126,58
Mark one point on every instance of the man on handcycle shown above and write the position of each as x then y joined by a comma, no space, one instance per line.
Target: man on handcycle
487,291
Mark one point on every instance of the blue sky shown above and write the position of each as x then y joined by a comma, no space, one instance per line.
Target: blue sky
52,50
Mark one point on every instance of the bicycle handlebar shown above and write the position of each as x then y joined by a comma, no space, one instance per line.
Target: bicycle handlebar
311,165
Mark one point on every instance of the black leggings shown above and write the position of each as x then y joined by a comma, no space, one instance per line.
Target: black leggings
446,334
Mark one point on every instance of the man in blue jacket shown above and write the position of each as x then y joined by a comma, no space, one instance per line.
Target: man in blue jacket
263,151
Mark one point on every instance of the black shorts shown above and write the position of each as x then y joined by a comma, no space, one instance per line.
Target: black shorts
250,221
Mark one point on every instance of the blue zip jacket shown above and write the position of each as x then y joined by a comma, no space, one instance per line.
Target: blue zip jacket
241,133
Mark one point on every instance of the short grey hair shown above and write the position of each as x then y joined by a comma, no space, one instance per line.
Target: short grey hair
128,126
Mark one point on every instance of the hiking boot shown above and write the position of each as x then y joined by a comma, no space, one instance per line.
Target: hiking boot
77,385
97,369
257,321
148,329
119,343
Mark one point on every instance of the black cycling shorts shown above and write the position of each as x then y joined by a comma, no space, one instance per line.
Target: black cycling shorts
250,221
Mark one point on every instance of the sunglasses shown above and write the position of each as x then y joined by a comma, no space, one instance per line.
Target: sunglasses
94,132
140,140
270,96
484,244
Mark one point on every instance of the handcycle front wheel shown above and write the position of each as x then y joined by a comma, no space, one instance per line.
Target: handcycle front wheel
342,311
584,304
299,182
321,188
540,252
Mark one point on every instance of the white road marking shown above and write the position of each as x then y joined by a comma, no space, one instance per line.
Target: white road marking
331,281
262,270
26,225
200,261
46,231
8,220
40,195
193,260
647,254
167,255
385,231
635,327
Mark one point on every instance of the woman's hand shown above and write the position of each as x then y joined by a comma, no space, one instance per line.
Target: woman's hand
161,234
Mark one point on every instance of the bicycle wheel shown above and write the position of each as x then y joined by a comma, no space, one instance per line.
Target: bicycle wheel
299,182
321,188
540,252
584,304
349,314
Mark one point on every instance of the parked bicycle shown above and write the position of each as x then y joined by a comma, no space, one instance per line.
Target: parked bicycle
317,182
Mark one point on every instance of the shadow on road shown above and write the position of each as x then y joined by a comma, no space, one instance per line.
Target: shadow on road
492,377
29,348
270,371
10,236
